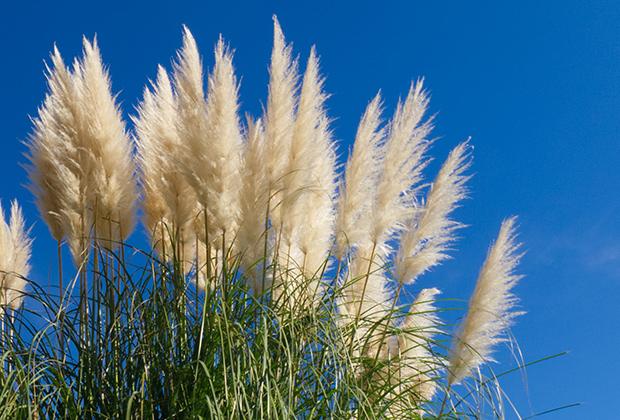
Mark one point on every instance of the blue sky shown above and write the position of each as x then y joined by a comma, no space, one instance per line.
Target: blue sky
536,84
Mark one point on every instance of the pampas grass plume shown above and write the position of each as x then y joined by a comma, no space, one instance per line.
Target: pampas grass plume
81,168
191,116
210,132
253,229
424,245
108,163
403,163
490,311
15,252
358,189
55,179
224,142
304,144
279,116
310,181
169,203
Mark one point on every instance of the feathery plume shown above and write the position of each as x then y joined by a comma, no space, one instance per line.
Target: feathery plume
53,153
357,191
107,156
169,203
191,114
490,308
309,186
403,163
303,148
279,117
81,171
210,130
317,232
253,205
425,243
15,251
225,145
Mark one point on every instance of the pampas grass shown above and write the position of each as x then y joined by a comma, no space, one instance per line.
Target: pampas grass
357,191
15,252
309,183
279,118
211,137
402,165
253,230
55,176
81,167
109,166
490,311
169,203
431,232
275,286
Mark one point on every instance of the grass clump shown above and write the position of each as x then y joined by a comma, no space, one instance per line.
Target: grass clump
275,285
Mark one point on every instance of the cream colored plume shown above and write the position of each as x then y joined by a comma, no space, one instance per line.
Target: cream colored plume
169,203
490,311
357,192
279,118
191,113
297,180
252,235
317,231
210,131
428,237
81,169
224,144
309,186
107,156
15,252
403,163
418,365
56,180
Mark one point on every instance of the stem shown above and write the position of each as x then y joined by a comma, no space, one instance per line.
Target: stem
200,337
276,255
207,249
445,399
197,262
61,341
224,268
333,296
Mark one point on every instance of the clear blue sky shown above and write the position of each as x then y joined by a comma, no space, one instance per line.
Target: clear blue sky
536,84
